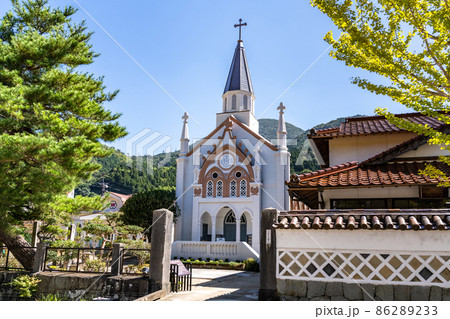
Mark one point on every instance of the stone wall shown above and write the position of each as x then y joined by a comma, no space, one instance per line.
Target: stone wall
72,285
288,289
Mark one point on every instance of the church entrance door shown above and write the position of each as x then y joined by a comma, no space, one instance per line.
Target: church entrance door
229,227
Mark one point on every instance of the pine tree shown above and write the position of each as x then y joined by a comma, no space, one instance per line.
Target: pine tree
52,116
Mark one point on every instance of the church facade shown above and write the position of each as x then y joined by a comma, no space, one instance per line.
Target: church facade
225,180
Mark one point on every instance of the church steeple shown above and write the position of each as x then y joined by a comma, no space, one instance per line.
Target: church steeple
239,75
238,98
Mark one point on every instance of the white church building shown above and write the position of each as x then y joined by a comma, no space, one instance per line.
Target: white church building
225,180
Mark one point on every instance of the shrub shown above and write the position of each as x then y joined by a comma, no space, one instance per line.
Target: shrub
208,259
251,265
26,285
95,265
175,257
200,259
227,260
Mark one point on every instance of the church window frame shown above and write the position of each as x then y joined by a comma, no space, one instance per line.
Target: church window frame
233,188
233,102
219,189
209,189
245,102
243,188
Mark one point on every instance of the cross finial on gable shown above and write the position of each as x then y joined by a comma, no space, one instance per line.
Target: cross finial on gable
185,117
281,108
240,25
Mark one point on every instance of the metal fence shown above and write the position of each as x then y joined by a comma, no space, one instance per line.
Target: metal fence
7,259
90,260
180,282
95,260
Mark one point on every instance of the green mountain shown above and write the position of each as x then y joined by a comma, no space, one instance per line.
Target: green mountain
130,175
268,129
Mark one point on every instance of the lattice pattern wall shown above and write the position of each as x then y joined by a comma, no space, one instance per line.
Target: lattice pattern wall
393,267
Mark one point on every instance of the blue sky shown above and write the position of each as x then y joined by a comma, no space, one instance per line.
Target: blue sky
187,47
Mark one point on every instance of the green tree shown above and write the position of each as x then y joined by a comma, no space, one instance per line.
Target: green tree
52,116
138,209
407,43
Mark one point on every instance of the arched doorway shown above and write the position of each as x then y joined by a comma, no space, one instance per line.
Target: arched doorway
229,227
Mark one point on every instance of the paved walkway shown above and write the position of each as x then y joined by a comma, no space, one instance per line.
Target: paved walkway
215,284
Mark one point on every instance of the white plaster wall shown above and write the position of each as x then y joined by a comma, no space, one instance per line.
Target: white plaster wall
360,148
426,150
272,191
364,240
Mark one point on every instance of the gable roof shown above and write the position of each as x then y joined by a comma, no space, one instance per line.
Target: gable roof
369,125
240,124
239,75
359,174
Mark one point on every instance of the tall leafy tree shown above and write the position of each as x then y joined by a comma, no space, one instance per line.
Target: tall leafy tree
138,209
52,115
407,42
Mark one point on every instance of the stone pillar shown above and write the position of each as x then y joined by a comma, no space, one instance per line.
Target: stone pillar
238,230
161,251
34,236
39,258
72,232
268,256
116,259
213,229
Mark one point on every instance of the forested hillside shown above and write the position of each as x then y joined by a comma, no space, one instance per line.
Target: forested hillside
128,176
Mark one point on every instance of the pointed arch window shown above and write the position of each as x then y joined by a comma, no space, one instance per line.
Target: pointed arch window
209,189
230,218
243,188
245,102
233,102
219,189
233,188
225,104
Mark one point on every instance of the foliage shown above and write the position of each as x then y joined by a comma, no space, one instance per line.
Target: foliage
61,257
52,297
112,226
127,175
26,285
405,42
52,114
143,256
94,265
251,264
138,209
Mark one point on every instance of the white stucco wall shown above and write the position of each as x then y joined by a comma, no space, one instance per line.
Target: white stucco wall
269,173
360,148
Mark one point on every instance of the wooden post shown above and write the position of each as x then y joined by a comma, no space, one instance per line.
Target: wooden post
268,255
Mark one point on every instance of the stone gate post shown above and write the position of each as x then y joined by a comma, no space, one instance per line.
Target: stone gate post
161,248
268,255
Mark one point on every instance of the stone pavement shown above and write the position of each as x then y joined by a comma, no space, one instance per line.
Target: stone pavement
219,284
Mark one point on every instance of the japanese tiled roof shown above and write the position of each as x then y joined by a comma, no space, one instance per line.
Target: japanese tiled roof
356,174
373,125
123,197
407,219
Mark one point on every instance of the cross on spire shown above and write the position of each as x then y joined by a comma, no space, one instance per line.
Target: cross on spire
240,25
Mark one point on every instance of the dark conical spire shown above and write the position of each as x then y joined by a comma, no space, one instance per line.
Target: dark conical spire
239,75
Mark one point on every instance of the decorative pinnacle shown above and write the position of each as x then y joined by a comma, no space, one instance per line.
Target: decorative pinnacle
185,117
281,108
